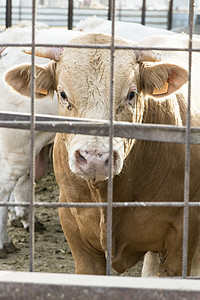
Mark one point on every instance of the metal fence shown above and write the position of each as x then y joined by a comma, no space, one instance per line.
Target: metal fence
70,15
163,133
55,16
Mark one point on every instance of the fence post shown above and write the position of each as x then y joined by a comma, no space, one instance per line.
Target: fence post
8,13
143,12
109,9
70,14
170,11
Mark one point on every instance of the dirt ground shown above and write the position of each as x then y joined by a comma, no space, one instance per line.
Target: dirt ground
52,253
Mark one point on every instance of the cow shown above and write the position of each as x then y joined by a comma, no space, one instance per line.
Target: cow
15,144
128,30
146,90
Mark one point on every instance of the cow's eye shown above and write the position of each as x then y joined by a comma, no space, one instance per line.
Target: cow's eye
63,95
64,100
131,95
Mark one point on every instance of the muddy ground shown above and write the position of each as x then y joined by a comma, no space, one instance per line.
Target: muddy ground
52,253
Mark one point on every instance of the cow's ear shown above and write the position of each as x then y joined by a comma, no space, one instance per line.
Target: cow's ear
20,80
162,79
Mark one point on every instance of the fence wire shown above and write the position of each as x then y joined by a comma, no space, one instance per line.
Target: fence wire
163,133
32,150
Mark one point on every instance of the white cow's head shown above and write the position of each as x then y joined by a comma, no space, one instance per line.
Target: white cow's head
81,77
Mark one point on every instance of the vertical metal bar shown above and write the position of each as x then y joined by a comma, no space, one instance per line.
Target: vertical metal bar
109,9
20,10
32,150
120,12
111,133
70,14
8,13
143,12
170,11
187,154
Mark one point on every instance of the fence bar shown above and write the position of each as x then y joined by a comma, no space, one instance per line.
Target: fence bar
187,150
161,133
101,204
8,13
70,14
93,46
109,9
148,132
32,150
111,134
45,286
170,13
143,12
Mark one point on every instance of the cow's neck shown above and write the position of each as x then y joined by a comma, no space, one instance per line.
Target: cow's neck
163,112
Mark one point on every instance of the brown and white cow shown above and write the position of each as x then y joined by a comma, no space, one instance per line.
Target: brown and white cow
153,92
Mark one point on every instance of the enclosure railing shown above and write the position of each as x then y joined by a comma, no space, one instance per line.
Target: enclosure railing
70,18
162,133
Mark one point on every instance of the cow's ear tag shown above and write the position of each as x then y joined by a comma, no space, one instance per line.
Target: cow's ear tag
161,91
41,91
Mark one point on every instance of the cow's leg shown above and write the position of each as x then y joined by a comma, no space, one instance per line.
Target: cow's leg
88,260
151,265
22,194
195,269
5,244
4,239
171,264
11,209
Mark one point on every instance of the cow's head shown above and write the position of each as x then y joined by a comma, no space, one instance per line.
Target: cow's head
81,77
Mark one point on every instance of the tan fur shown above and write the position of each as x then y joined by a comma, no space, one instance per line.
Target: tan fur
152,171
20,79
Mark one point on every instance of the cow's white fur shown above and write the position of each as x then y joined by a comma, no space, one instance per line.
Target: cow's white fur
128,30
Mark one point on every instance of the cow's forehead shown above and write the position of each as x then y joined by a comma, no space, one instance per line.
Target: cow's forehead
96,60
84,75
90,68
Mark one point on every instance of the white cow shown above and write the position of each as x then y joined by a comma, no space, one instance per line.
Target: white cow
15,144
127,30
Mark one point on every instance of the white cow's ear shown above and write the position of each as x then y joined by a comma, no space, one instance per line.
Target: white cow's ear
20,80
161,80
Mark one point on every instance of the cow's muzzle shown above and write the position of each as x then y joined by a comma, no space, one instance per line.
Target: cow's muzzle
94,164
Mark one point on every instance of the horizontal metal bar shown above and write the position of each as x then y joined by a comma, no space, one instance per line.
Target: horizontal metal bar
151,132
46,286
102,204
94,46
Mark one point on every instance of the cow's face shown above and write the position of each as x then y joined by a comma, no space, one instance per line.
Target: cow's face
83,86
81,78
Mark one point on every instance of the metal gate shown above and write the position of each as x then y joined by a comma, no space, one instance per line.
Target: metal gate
15,285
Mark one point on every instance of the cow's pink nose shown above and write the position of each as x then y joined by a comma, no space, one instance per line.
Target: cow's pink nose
93,162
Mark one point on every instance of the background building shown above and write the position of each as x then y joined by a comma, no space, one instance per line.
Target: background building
152,4
55,13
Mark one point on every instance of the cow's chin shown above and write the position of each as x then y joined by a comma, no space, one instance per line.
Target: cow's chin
93,178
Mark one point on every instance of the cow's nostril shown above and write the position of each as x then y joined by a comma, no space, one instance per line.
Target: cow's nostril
106,162
80,158
115,156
